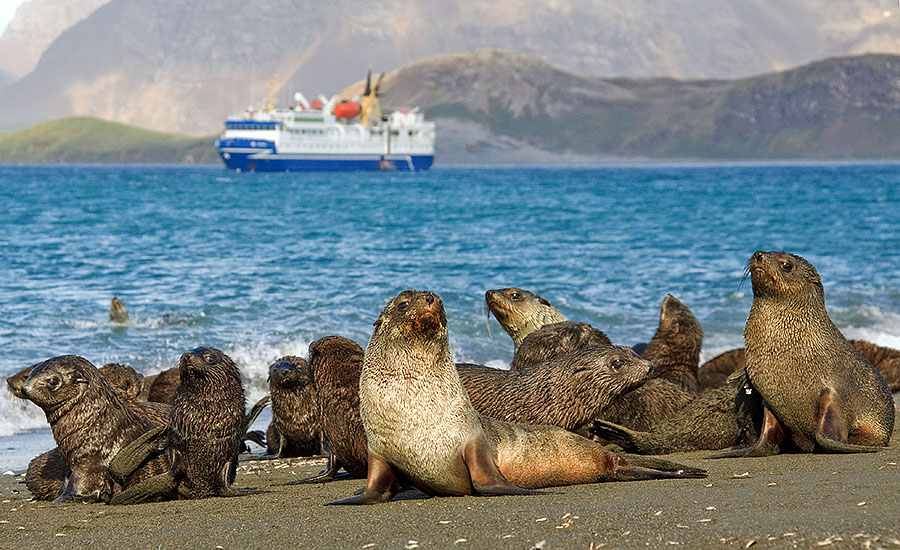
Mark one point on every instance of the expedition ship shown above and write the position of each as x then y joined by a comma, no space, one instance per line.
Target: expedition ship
327,135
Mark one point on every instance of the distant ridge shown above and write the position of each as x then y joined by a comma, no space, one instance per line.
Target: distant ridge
85,139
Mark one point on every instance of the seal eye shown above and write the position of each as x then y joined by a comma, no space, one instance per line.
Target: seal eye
207,356
515,296
787,266
402,306
53,383
617,364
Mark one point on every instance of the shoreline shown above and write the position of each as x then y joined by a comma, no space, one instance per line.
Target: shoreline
792,500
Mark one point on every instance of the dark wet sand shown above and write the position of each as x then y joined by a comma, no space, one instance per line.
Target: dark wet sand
803,501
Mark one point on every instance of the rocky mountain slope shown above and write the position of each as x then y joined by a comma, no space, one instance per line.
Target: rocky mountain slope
181,66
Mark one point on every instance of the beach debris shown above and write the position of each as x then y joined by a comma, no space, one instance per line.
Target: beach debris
829,541
863,503
658,513
370,545
772,484
539,546
710,508
444,521
741,476
459,541
540,519
412,544
750,543
708,485
791,534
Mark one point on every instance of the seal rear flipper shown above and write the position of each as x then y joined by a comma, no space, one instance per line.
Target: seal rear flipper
254,412
131,457
614,433
771,436
381,484
256,436
832,432
487,480
328,474
661,464
160,487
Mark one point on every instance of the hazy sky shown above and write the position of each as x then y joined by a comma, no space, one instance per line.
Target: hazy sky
7,10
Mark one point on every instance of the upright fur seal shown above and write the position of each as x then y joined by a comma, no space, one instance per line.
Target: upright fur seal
117,311
675,348
521,312
90,423
556,340
336,364
295,429
819,393
568,391
422,430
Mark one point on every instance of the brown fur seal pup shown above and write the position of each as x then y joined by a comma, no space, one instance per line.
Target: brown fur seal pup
90,423
203,438
294,429
421,427
117,311
644,407
819,393
569,391
521,312
887,360
46,475
724,417
554,340
675,348
162,390
336,364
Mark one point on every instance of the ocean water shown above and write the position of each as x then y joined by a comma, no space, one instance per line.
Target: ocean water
260,265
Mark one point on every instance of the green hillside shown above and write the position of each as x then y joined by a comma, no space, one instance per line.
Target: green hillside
86,139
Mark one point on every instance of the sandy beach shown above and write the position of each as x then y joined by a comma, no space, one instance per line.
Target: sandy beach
786,501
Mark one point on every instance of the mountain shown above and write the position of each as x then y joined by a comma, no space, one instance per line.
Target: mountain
181,66
36,25
838,108
92,140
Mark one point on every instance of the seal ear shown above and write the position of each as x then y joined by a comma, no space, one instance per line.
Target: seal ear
543,301
378,321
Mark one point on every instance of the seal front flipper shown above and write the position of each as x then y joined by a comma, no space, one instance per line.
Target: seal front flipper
131,457
152,489
662,465
832,431
487,480
254,412
328,474
636,473
381,484
771,436
614,433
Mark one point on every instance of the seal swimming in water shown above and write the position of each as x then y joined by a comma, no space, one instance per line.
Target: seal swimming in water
117,311
89,421
556,340
295,429
521,312
887,360
421,428
568,391
819,393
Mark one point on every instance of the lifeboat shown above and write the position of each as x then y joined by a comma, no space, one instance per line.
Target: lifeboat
346,109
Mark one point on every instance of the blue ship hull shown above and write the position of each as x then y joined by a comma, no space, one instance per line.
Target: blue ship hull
260,157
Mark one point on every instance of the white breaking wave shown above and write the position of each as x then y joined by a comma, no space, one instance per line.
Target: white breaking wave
254,360
19,415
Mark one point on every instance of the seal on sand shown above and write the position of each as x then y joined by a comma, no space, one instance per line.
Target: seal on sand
294,429
817,389
90,423
336,364
675,348
117,311
521,312
421,428
568,391
724,417
555,340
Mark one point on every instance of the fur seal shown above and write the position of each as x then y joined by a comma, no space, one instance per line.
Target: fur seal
887,360
568,391
117,311
15,382
336,364
421,428
90,423
554,340
521,312
162,390
819,393
675,348
295,429
727,416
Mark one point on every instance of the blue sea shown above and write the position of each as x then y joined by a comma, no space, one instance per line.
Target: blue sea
260,265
